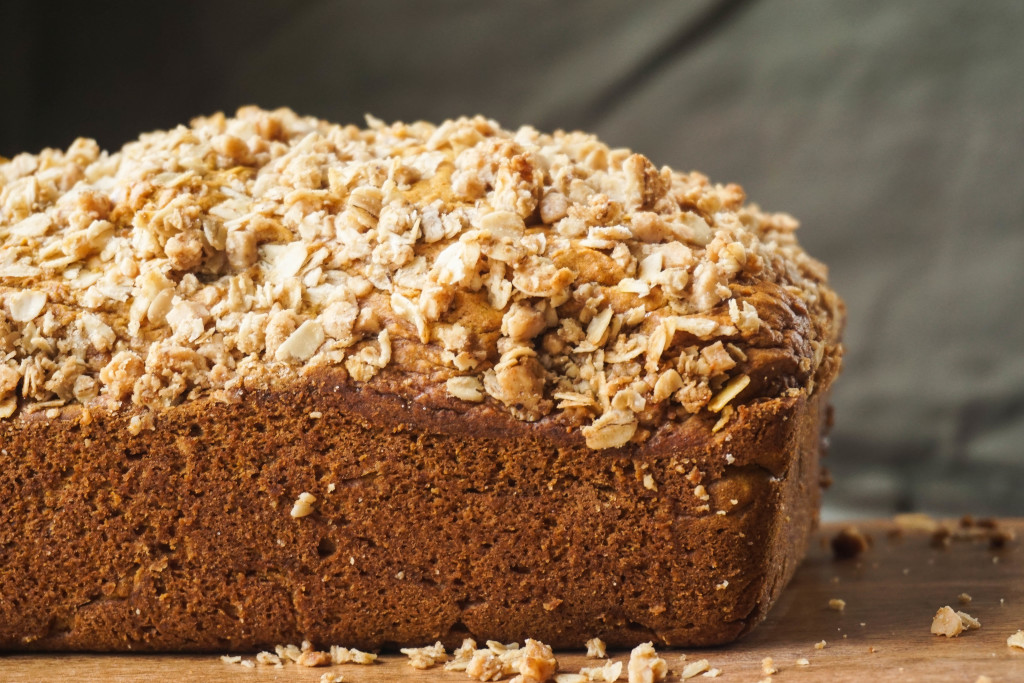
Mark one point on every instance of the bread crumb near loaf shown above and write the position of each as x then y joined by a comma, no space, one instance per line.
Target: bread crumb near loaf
301,317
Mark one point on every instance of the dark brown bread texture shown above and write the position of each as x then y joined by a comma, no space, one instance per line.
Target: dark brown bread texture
266,379
443,522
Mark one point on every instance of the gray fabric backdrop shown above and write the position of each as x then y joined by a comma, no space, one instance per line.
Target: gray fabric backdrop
893,130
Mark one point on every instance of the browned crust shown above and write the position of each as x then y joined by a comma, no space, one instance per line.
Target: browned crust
181,538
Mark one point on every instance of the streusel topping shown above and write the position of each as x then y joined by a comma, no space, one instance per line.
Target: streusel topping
544,273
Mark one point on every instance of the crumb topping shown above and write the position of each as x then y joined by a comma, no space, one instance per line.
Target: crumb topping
541,273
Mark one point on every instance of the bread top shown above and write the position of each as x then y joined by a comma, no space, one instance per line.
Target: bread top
548,276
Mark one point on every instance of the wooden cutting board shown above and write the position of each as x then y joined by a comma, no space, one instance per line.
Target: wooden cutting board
891,593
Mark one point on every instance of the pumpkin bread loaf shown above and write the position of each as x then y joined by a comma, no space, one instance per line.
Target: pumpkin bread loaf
266,378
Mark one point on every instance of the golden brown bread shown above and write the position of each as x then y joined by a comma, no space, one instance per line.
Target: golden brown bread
532,386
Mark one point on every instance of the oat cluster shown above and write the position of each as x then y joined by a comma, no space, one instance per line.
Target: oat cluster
540,273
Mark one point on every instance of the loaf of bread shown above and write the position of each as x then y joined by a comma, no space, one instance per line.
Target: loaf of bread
265,379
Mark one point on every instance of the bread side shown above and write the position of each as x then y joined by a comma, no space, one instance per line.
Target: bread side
429,523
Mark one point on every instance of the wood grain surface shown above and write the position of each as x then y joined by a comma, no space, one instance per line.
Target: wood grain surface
891,593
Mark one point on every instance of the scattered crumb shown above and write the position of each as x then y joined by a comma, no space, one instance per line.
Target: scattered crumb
596,648
331,487
228,659
315,415
711,673
425,657
694,669
722,586
331,677
537,663
1016,640
964,599
268,659
313,658
248,664
916,521
288,653
729,459
849,543
645,666
947,623
609,673
461,656
820,645
837,604
304,505
999,538
649,483
571,678
803,661
968,621
768,666
344,655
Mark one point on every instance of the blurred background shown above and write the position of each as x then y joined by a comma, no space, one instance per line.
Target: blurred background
893,130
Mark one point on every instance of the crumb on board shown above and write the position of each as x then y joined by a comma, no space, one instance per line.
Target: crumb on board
645,666
596,648
916,521
820,645
849,543
314,658
951,623
964,599
837,604
1016,640
693,669
425,657
268,659
610,672
768,666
